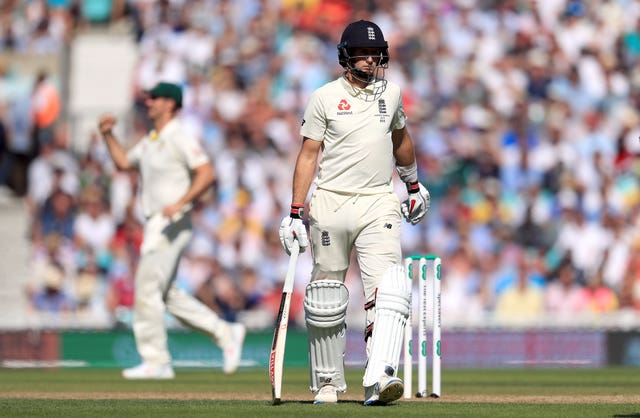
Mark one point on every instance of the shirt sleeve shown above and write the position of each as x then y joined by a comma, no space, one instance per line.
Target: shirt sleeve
135,153
399,117
192,151
314,122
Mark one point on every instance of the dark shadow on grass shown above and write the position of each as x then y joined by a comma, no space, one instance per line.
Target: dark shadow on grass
636,415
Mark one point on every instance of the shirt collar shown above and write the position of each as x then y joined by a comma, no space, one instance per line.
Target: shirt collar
353,90
166,130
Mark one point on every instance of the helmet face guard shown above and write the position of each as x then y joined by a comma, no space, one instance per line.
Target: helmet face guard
365,35
347,60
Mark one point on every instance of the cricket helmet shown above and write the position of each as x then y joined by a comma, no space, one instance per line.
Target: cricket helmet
362,34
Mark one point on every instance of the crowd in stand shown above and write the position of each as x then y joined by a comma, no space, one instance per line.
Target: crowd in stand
524,114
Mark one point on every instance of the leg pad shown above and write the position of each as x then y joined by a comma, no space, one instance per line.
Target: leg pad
393,304
325,306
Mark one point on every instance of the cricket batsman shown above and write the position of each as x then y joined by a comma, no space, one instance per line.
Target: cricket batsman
359,123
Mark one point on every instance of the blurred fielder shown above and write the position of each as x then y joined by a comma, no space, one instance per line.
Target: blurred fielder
174,172
359,123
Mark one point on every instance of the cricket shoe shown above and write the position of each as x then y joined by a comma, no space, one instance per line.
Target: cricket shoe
388,389
149,371
326,394
232,353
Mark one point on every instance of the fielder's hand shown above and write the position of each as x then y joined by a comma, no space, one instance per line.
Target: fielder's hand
172,211
418,203
106,124
293,232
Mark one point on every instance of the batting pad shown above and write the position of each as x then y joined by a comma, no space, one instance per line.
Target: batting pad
325,307
393,303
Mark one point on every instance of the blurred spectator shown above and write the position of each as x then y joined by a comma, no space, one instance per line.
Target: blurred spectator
584,241
15,102
128,235
618,256
522,300
630,287
56,216
596,297
89,286
93,226
52,298
53,169
563,296
52,249
45,110
119,295
461,291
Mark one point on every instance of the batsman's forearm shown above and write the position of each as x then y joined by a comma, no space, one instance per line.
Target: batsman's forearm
302,177
403,150
118,154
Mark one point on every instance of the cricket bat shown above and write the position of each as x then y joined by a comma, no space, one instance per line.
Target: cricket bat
276,359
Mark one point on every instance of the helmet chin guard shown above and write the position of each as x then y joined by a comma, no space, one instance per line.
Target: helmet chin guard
375,86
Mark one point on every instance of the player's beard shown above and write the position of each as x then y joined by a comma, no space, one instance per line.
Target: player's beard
374,74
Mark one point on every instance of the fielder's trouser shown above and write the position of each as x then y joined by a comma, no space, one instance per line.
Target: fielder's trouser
164,242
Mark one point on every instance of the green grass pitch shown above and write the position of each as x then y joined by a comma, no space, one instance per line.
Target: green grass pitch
610,392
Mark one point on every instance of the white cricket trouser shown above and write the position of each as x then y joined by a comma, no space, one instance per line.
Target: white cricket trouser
368,223
164,242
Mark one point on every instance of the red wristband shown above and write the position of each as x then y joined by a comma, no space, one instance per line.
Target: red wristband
413,187
297,211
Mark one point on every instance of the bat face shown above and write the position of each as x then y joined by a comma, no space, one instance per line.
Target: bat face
276,358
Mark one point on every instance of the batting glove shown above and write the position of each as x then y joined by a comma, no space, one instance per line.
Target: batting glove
292,229
418,203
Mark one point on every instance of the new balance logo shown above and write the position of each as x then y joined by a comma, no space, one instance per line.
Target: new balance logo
388,226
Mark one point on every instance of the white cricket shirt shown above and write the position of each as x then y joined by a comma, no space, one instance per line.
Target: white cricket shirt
357,151
165,165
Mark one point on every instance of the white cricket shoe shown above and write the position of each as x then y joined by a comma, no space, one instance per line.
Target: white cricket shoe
326,394
388,389
149,371
232,353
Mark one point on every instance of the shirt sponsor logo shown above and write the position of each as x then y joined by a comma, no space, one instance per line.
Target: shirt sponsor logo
344,107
